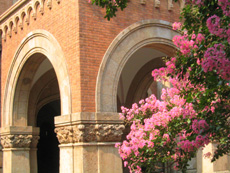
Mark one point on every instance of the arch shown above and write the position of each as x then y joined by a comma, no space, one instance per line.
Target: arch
39,41
131,39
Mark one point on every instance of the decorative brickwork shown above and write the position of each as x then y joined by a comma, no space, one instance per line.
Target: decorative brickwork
23,16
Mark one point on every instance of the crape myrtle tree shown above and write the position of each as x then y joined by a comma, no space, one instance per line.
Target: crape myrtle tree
195,111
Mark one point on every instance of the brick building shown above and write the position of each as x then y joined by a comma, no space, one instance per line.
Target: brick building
65,68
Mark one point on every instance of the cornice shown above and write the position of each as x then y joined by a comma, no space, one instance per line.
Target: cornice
12,9
20,14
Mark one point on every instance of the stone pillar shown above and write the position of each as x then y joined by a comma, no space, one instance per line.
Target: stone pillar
33,154
16,142
87,143
205,165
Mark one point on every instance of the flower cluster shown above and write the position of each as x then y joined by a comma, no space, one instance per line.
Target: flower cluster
225,5
195,2
186,44
152,127
214,26
215,59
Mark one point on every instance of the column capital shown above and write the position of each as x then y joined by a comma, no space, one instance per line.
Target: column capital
89,127
16,141
18,137
90,133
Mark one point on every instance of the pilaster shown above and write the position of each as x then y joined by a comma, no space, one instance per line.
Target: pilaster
16,143
87,142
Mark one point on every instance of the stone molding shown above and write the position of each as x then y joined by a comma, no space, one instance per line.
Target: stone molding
16,141
90,133
22,14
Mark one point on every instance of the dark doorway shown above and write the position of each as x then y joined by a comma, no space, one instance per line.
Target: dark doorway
48,151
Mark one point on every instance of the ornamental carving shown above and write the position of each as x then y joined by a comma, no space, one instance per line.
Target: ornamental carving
109,133
84,133
90,133
16,141
64,134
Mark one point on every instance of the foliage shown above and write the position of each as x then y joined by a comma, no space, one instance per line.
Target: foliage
208,65
111,6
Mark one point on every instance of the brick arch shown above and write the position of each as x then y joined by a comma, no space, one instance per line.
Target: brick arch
44,43
131,39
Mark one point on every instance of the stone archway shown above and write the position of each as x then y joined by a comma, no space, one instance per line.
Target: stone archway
19,135
130,40
38,41
152,34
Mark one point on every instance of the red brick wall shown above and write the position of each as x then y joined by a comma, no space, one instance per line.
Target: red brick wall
84,36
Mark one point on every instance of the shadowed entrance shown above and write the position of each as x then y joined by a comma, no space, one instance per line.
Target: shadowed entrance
48,151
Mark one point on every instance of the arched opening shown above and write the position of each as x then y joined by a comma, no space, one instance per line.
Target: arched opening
37,76
36,102
136,82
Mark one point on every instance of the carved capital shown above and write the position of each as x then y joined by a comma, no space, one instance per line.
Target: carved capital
16,141
109,132
90,133
64,134
84,133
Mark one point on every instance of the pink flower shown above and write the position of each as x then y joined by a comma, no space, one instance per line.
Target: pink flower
176,25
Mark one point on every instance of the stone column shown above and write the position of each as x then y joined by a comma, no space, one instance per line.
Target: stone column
65,138
33,154
87,143
205,165
16,142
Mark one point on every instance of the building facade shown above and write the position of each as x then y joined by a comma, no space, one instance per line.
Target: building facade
65,72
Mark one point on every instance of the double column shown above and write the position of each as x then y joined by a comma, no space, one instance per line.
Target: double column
87,142
19,149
